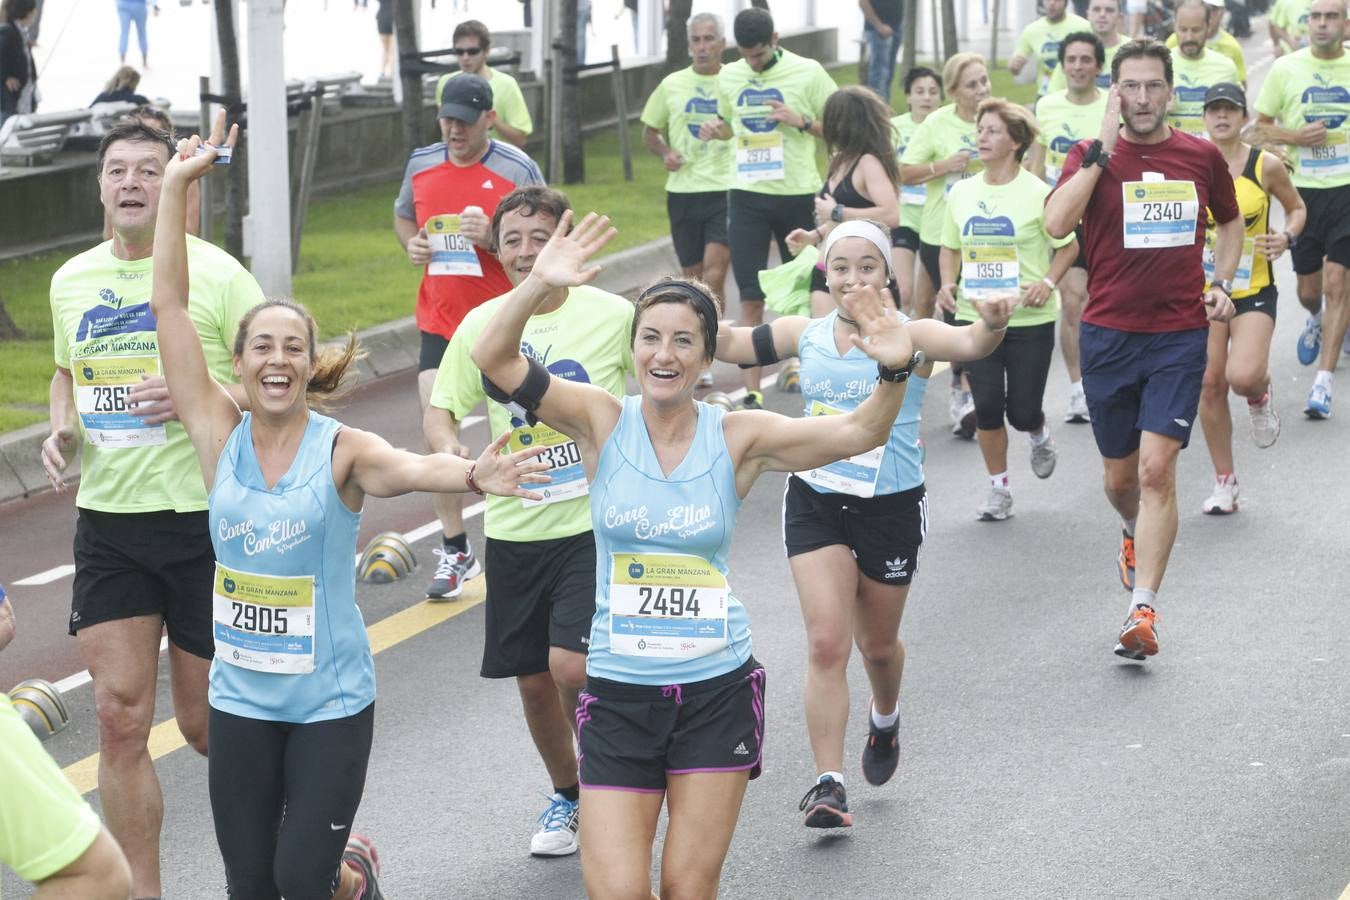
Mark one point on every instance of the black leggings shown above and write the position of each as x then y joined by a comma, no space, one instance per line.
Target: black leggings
754,219
1012,379
283,797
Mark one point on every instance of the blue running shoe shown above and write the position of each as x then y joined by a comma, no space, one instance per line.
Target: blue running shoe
1310,341
1319,402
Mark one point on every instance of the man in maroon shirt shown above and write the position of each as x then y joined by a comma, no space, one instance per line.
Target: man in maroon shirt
1141,192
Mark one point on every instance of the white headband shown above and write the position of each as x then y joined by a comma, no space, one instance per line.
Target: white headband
860,228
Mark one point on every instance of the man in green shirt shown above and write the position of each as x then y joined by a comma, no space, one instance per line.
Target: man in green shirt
471,42
769,104
1305,103
1040,41
1195,69
539,555
700,170
1105,18
1288,24
143,555
1067,117
1218,40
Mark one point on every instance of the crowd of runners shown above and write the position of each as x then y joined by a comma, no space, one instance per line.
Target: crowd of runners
1128,213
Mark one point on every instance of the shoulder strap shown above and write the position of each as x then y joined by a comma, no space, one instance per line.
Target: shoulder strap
1252,171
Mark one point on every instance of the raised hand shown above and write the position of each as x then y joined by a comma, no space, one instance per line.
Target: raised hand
1111,120
187,165
883,335
799,239
562,262
996,311
504,474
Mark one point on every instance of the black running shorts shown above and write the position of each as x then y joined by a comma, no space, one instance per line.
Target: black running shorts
540,594
433,348
884,533
696,220
633,736
1327,233
905,238
1262,301
146,564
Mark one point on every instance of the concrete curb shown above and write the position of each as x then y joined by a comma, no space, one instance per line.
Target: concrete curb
390,348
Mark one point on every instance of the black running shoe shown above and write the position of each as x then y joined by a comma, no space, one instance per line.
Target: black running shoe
826,806
881,753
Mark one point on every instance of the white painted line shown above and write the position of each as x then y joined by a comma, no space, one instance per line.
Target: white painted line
46,577
80,679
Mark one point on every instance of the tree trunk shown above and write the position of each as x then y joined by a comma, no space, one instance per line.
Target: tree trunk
235,175
950,43
573,156
677,34
760,4
405,36
911,37
8,330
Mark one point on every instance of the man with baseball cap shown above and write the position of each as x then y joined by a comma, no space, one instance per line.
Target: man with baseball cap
471,43
442,218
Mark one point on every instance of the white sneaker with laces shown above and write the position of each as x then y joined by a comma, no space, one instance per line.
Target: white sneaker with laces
1044,456
997,506
1078,409
1265,421
558,824
1224,500
452,570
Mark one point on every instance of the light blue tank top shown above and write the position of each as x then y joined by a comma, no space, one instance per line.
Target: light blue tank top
298,530
843,382
661,542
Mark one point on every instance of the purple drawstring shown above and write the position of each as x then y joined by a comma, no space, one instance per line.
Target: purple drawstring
673,690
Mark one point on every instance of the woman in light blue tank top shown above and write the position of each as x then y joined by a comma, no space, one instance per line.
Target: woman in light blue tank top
292,686
853,528
674,701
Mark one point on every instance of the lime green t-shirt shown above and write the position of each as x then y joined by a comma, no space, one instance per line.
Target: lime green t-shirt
1059,81
1292,16
1223,44
588,338
1191,79
104,333
940,135
682,102
45,825
1000,231
913,197
1065,123
507,100
1301,89
771,157
1040,41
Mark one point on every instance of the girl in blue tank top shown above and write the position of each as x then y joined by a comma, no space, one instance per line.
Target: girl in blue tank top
853,527
292,686
673,689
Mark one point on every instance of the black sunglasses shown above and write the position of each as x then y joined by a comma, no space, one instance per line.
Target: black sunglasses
466,51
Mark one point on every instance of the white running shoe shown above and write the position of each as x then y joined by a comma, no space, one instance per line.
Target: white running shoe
997,507
1044,456
1077,412
963,417
1265,421
558,824
955,403
1224,500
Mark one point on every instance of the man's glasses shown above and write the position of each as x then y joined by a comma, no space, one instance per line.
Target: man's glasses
1153,87
466,51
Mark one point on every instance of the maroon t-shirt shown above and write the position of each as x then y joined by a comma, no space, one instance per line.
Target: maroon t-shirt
1150,289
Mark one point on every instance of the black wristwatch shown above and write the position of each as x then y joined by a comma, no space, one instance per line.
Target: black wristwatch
1225,285
897,376
806,124
837,214
1095,156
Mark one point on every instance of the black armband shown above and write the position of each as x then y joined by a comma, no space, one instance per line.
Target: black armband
526,398
765,352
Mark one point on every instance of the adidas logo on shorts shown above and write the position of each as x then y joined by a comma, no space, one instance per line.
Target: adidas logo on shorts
740,750
897,568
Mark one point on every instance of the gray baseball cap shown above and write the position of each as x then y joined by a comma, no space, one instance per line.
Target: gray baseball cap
466,97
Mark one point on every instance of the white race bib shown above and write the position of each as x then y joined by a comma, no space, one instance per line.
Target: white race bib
451,252
989,270
1159,213
1242,278
857,475
759,157
566,473
1328,159
913,194
667,605
101,388
264,622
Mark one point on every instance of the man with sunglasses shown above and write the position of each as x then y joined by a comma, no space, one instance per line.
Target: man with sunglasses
471,42
1141,190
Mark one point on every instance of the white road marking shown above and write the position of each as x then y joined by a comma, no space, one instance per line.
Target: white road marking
46,577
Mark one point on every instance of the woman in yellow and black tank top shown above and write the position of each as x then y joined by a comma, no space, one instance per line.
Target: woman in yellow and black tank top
1239,350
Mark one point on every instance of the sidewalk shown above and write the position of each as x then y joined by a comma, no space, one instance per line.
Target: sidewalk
390,348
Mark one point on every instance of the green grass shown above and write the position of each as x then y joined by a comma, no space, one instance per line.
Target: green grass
352,274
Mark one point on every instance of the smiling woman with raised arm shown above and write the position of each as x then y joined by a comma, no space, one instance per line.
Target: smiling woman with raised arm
670,642
853,529
292,686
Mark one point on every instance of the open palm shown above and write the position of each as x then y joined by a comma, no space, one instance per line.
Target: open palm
562,262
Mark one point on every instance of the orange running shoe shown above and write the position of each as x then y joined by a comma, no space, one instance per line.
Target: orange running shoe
1126,560
1139,636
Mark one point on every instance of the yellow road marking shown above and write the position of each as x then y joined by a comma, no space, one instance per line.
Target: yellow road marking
1345,894
165,737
